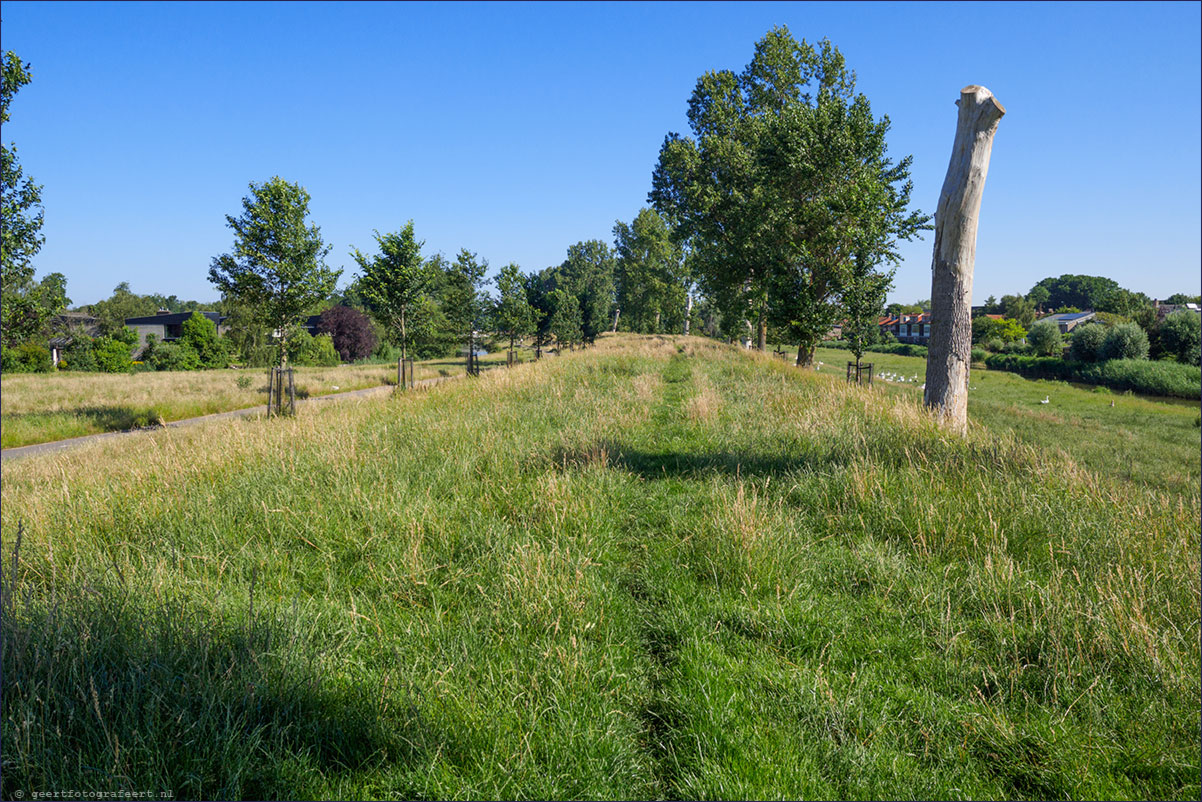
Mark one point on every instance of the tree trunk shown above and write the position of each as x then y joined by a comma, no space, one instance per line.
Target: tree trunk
762,328
805,355
950,345
688,311
656,322
617,313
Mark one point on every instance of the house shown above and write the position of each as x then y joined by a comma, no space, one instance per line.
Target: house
908,328
66,326
1163,310
1067,321
167,326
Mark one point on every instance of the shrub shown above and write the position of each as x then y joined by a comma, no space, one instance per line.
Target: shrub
1021,349
112,355
986,328
1181,336
978,355
1044,337
1087,342
172,356
1125,341
1137,375
26,358
350,331
200,334
78,355
995,345
317,352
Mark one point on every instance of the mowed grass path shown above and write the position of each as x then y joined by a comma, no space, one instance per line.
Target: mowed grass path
41,408
656,569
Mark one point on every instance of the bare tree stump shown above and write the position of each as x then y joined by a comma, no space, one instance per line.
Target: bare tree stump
950,349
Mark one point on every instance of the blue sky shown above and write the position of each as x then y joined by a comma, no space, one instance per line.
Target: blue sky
516,130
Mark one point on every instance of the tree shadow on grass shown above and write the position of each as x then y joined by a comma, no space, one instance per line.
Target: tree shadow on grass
105,690
103,418
668,464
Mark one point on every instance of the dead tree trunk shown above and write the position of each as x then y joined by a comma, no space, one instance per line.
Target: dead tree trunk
688,311
950,347
617,314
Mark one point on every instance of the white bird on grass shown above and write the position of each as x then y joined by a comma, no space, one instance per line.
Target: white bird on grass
1045,400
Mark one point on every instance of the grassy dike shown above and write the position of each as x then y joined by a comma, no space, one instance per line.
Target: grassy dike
658,568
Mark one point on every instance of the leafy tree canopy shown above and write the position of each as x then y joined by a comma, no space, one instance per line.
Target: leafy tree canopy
25,305
783,185
277,267
394,279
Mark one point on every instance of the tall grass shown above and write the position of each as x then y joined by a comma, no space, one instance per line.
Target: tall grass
39,408
657,568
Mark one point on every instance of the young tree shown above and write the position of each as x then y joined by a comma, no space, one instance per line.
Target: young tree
462,299
393,280
538,294
567,319
25,305
863,298
512,313
278,265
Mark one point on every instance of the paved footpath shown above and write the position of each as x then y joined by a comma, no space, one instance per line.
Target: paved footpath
75,442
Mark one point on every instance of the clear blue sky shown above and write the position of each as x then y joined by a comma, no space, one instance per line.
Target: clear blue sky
516,130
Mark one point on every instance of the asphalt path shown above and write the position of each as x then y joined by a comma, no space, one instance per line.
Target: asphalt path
75,442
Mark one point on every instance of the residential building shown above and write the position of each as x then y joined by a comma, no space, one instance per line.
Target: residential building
167,326
908,328
1067,321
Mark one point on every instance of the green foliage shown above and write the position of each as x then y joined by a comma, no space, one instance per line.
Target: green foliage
1087,342
394,280
1110,320
200,334
1019,309
863,296
978,356
987,328
512,313
995,344
1181,336
784,184
650,276
1137,375
26,358
1045,338
1083,292
1182,298
170,356
277,268
896,348
1012,331
1125,341
461,298
24,305
305,350
112,355
588,274
566,319
112,312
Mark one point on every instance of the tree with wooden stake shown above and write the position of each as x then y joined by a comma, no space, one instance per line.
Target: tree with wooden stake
278,265
512,313
950,349
392,282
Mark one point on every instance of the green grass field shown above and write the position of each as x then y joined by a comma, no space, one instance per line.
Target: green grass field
40,408
659,568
